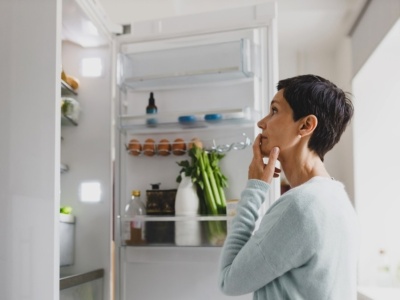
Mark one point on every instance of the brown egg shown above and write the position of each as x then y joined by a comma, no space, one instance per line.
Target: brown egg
195,141
149,147
134,147
179,147
164,147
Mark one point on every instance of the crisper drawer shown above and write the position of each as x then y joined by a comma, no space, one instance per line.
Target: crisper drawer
221,61
172,274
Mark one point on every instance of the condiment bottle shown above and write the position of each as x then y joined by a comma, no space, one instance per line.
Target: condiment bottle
151,109
134,208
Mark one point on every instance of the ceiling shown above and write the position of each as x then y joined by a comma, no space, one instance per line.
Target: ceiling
305,25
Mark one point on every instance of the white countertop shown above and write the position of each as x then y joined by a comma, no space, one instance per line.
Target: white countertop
378,293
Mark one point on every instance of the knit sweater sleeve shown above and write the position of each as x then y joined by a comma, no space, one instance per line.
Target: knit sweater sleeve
249,262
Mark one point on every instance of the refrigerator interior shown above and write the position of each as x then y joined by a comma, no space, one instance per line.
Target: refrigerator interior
187,78
226,73
190,76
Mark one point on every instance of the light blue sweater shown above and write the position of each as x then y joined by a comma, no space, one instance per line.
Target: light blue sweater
305,248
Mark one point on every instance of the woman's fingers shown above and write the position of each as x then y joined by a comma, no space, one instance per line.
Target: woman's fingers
256,148
270,171
258,169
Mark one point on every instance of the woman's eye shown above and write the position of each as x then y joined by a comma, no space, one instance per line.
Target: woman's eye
273,110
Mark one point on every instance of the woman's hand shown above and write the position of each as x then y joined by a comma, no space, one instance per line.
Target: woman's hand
257,168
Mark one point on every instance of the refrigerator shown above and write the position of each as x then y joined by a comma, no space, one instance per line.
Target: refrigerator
219,63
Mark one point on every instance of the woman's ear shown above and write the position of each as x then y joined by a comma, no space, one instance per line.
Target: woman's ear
308,125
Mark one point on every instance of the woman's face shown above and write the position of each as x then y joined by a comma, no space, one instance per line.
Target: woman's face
278,127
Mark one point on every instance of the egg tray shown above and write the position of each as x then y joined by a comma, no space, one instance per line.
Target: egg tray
156,152
164,147
179,152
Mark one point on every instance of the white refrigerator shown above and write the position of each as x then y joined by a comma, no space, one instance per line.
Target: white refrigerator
220,63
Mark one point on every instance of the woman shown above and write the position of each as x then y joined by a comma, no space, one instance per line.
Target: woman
306,245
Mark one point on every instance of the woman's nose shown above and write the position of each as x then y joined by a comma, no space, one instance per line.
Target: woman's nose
261,124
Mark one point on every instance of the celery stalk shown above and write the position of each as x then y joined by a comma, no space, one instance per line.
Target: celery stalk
213,185
207,188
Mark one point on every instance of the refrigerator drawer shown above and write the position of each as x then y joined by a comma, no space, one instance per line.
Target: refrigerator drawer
199,64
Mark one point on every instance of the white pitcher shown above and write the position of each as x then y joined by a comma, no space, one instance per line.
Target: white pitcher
187,203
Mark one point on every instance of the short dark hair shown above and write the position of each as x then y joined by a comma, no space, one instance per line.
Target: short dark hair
311,94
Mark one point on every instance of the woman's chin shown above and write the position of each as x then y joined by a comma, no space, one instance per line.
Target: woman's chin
265,153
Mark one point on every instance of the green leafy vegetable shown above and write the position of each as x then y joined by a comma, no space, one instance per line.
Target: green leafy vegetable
203,168
205,172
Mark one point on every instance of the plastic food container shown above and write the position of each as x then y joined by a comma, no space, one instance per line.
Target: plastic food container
190,119
213,117
70,108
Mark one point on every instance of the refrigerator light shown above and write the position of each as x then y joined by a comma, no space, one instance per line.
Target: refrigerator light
90,191
91,67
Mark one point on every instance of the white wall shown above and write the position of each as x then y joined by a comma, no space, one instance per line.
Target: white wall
377,160
29,149
335,66
341,159
376,65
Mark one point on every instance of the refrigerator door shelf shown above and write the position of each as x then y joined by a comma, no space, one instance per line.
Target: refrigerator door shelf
70,110
66,89
68,121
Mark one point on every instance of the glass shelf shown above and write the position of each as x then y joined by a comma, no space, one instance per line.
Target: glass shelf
182,80
169,122
173,218
174,231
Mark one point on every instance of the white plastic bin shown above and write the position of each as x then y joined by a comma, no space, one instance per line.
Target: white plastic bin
67,239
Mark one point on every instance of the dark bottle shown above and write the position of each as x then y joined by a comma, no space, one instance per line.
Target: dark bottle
151,109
